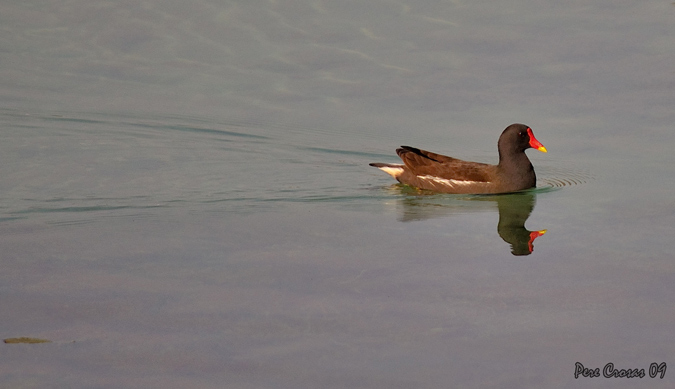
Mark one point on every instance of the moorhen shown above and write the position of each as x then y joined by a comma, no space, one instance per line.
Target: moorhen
439,173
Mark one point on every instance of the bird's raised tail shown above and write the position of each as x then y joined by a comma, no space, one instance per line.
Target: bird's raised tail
393,169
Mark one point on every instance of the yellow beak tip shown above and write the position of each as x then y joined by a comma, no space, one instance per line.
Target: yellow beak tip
542,149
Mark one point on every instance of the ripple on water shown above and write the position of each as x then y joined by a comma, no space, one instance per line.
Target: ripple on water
561,177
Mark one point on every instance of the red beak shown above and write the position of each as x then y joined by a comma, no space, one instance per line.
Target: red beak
534,142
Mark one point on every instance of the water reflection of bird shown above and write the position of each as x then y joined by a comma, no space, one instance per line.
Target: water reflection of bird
426,170
514,210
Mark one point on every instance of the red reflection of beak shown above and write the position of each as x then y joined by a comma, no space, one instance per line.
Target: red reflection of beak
534,142
534,235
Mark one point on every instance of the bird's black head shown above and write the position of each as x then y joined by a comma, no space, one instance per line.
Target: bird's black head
517,138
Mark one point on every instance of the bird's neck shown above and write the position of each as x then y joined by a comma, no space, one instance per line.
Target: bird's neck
513,160
517,166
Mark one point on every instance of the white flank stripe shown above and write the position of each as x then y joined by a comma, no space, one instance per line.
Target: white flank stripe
449,182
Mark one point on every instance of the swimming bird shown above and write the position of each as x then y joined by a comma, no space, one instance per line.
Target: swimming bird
426,170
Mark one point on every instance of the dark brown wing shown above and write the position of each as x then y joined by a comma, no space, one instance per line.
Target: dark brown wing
422,163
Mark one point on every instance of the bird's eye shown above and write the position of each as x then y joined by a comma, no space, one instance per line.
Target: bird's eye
521,134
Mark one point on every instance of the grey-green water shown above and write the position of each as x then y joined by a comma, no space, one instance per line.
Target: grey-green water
186,201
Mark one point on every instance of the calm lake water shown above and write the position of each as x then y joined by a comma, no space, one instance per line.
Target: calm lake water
186,201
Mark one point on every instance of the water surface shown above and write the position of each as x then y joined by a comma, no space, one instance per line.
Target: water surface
186,201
